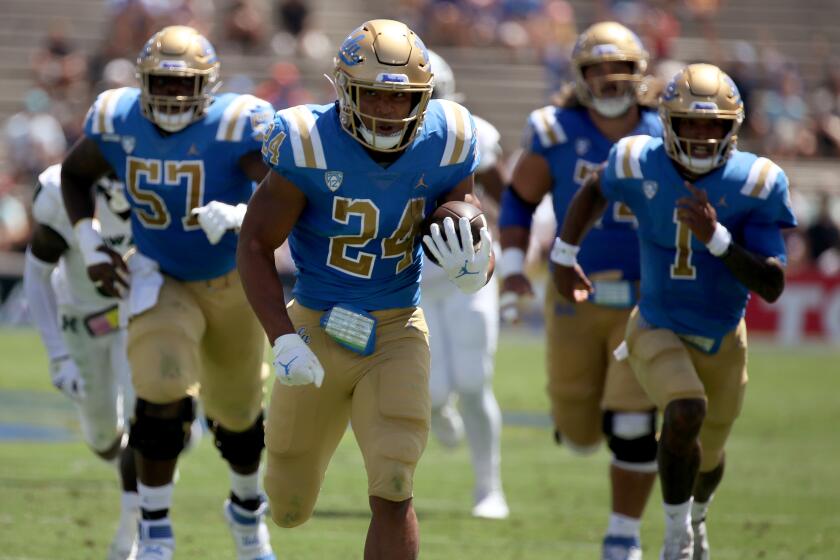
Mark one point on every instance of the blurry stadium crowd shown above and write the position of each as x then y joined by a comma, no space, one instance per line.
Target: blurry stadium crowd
788,118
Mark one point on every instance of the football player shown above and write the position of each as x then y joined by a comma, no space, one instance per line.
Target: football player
81,332
179,148
710,220
593,396
462,357
350,185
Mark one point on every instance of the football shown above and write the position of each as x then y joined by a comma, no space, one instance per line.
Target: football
455,209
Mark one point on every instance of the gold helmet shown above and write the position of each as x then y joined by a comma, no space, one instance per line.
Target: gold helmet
608,41
701,91
178,52
385,55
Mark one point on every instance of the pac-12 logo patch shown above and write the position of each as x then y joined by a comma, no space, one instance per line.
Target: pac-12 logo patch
333,179
650,188
128,143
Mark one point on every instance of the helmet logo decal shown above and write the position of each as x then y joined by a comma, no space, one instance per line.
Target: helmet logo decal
392,78
671,91
349,51
703,106
602,50
420,45
172,64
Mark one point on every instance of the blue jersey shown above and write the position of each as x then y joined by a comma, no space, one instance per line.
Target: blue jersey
685,288
167,175
357,240
573,147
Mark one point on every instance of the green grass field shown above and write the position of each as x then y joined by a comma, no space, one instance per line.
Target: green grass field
779,499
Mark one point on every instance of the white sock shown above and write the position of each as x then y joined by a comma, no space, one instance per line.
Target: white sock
245,486
699,509
483,426
677,517
623,526
155,498
130,501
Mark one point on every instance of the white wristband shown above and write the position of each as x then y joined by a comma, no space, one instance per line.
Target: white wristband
563,253
513,261
720,241
89,240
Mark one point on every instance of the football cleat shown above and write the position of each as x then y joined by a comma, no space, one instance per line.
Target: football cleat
250,533
492,506
448,426
678,546
156,539
617,547
124,545
701,540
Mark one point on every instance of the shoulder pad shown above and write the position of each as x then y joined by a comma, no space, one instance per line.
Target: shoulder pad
459,133
48,206
761,178
545,123
305,139
245,110
100,117
627,153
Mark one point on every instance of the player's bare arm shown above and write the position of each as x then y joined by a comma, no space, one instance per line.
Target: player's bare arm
273,211
83,166
47,244
530,183
253,166
763,275
584,210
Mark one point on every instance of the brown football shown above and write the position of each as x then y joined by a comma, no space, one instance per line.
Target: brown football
455,209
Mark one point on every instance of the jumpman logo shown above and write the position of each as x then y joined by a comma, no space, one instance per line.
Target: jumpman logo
464,270
287,365
421,182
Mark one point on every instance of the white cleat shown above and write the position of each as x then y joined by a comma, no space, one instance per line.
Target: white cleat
448,426
156,540
678,546
492,506
250,533
617,547
124,545
701,540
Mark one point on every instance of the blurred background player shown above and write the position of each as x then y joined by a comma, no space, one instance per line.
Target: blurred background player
351,183
81,332
178,147
592,395
463,331
710,220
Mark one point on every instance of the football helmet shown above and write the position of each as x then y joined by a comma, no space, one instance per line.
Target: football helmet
179,52
701,91
608,41
444,79
384,55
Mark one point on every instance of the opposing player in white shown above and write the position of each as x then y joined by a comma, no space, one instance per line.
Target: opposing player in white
81,332
463,329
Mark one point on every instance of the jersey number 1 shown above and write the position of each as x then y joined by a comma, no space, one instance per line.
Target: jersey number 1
681,268
170,173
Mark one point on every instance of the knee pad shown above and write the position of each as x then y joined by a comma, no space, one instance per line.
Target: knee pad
160,432
239,448
631,436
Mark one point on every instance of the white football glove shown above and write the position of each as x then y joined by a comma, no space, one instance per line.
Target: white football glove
215,218
466,268
295,363
67,379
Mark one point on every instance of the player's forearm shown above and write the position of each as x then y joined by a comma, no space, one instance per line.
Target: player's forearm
586,207
762,275
263,287
42,305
